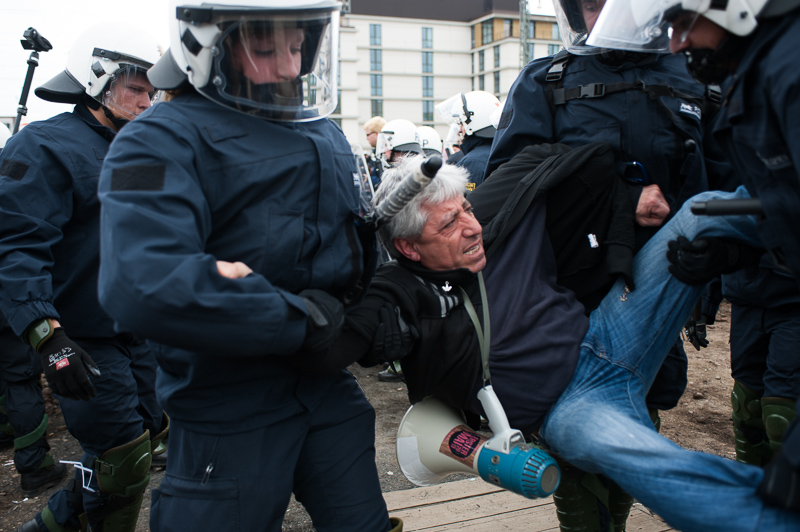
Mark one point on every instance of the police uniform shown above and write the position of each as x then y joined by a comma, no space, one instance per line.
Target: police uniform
191,182
476,152
49,258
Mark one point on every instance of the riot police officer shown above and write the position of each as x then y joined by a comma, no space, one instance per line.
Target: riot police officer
654,116
239,170
49,261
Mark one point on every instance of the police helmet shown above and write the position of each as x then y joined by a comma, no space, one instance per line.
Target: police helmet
100,58
398,135
472,110
253,56
430,140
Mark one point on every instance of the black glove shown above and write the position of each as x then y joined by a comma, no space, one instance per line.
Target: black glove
325,320
394,338
67,367
698,261
696,333
781,484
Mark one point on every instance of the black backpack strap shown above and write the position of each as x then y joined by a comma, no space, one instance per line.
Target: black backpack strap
554,77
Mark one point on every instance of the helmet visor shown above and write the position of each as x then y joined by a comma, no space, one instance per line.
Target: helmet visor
279,67
129,93
643,26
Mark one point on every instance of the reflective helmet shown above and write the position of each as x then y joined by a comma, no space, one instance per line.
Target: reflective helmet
398,135
472,110
430,140
100,58
275,59
637,25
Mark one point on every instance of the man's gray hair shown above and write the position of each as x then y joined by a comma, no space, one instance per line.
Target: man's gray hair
450,182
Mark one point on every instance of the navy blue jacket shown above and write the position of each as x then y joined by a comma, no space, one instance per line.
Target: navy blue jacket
664,133
759,128
49,253
476,154
191,182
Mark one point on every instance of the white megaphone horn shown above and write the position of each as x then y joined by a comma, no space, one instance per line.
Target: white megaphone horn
433,443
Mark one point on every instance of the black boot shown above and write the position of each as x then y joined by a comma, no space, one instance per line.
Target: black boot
47,475
30,526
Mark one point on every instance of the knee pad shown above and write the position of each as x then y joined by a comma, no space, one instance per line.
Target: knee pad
777,414
581,501
122,475
750,439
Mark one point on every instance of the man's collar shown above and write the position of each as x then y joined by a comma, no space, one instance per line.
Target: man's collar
459,276
86,115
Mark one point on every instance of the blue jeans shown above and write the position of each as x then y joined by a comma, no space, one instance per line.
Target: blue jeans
600,422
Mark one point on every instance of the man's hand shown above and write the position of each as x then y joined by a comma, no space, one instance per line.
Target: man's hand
67,367
652,209
696,262
233,270
394,338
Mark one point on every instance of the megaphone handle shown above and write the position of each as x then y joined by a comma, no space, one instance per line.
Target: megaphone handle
504,436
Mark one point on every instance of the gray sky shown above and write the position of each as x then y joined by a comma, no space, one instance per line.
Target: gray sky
61,22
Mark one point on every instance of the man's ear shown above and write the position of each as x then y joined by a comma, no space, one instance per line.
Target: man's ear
408,248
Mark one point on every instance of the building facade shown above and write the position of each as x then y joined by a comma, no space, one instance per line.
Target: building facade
400,59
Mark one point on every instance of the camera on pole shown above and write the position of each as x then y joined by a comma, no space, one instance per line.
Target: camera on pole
31,40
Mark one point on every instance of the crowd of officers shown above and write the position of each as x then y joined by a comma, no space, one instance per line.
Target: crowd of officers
192,235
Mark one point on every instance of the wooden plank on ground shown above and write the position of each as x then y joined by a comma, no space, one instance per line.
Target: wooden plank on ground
477,506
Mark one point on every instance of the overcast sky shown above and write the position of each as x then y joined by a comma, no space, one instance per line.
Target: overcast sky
61,22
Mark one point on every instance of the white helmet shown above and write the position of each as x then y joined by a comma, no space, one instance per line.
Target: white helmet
472,110
100,57
638,25
5,134
430,141
398,135
254,55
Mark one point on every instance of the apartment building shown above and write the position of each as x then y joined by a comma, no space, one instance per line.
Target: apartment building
399,59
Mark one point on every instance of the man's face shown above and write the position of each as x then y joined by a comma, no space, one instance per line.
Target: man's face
129,96
452,238
270,57
692,32
591,10
372,137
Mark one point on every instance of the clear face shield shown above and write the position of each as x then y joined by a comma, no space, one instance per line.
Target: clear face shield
645,26
280,67
129,93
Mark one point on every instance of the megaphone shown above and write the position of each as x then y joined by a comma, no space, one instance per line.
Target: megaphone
433,443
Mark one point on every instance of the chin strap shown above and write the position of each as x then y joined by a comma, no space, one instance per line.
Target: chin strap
118,122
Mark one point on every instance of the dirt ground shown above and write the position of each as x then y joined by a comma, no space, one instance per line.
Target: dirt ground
700,422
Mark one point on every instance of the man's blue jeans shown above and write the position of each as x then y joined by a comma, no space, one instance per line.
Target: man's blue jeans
600,422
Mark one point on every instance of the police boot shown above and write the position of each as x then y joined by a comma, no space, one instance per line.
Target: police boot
750,439
122,474
158,444
45,475
619,506
397,524
30,526
581,501
777,414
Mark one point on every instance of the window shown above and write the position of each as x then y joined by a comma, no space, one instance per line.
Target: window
427,110
374,35
531,29
376,107
481,83
427,37
481,61
472,36
487,32
507,28
556,33
376,60
427,62
497,82
553,49
376,84
497,57
427,86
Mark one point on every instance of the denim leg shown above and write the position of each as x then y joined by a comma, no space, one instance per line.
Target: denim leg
600,423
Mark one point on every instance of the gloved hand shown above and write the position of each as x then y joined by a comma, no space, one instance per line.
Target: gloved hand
325,320
696,333
394,338
696,262
781,484
67,367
